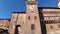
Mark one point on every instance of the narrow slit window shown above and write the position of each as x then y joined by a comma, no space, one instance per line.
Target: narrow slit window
35,17
29,17
32,26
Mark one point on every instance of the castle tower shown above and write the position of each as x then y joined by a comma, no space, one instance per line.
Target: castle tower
32,25
58,3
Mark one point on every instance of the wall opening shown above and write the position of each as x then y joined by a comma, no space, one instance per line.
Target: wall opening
17,29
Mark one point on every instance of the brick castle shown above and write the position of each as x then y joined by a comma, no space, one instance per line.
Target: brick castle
36,20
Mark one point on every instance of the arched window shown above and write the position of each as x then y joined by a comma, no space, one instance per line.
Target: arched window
29,17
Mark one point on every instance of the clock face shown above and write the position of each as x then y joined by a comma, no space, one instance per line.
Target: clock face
32,7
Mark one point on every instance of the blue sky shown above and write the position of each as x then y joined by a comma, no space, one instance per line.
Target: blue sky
9,6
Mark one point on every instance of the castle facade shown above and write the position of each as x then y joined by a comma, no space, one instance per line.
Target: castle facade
36,20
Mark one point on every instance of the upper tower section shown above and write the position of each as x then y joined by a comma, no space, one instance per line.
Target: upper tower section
31,2
58,3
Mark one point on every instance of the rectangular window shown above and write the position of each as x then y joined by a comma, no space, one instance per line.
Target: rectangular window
35,17
32,26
